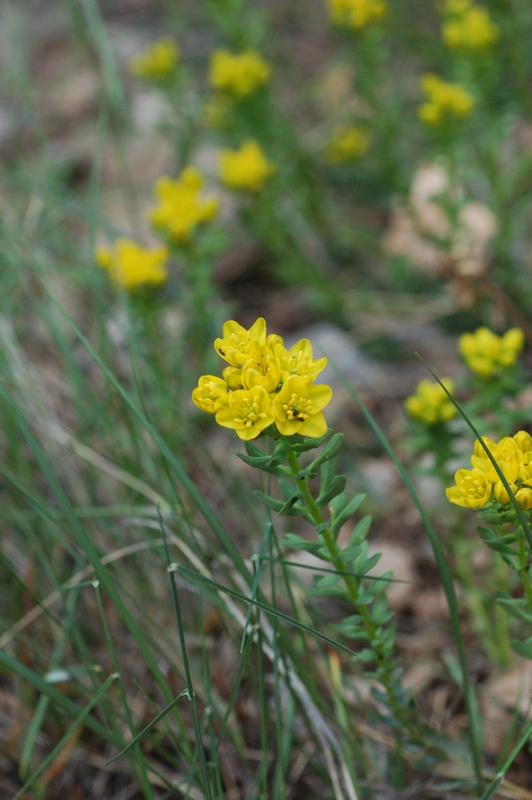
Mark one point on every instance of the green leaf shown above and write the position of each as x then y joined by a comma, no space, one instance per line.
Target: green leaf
522,648
331,450
516,607
360,531
501,544
335,487
346,513
295,542
309,443
270,502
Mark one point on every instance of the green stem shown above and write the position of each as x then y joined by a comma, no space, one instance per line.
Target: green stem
352,585
523,571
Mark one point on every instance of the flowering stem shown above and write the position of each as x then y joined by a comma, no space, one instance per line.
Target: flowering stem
352,585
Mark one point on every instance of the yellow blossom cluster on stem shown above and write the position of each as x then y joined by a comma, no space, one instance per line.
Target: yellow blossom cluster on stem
475,487
488,355
264,384
246,169
158,62
468,26
347,143
446,102
430,403
240,75
181,207
130,265
357,14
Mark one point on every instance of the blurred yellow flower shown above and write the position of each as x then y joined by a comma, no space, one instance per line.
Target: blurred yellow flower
513,455
181,208
246,169
348,143
469,27
472,489
487,354
157,62
430,404
445,101
131,265
357,13
238,75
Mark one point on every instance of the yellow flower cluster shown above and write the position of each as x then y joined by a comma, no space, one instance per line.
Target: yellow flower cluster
430,404
130,265
158,62
246,169
265,383
181,208
468,26
445,101
357,13
238,75
487,354
348,143
476,487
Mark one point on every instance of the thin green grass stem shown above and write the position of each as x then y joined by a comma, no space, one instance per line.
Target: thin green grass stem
188,675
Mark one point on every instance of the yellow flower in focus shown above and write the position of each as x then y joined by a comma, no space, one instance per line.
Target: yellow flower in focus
445,101
470,29
472,490
238,75
505,453
430,404
158,62
523,441
248,412
357,14
210,394
298,361
247,169
236,344
130,265
181,208
261,369
347,144
487,354
524,498
297,407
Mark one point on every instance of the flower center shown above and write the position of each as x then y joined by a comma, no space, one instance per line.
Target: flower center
250,411
298,408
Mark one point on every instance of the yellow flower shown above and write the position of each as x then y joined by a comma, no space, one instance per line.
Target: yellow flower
181,208
131,265
445,101
430,403
505,453
261,369
158,62
357,14
236,343
210,394
524,498
523,441
298,361
247,168
470,29
248,412
264,383
297,407
472,490
487,354
238,75
348,143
